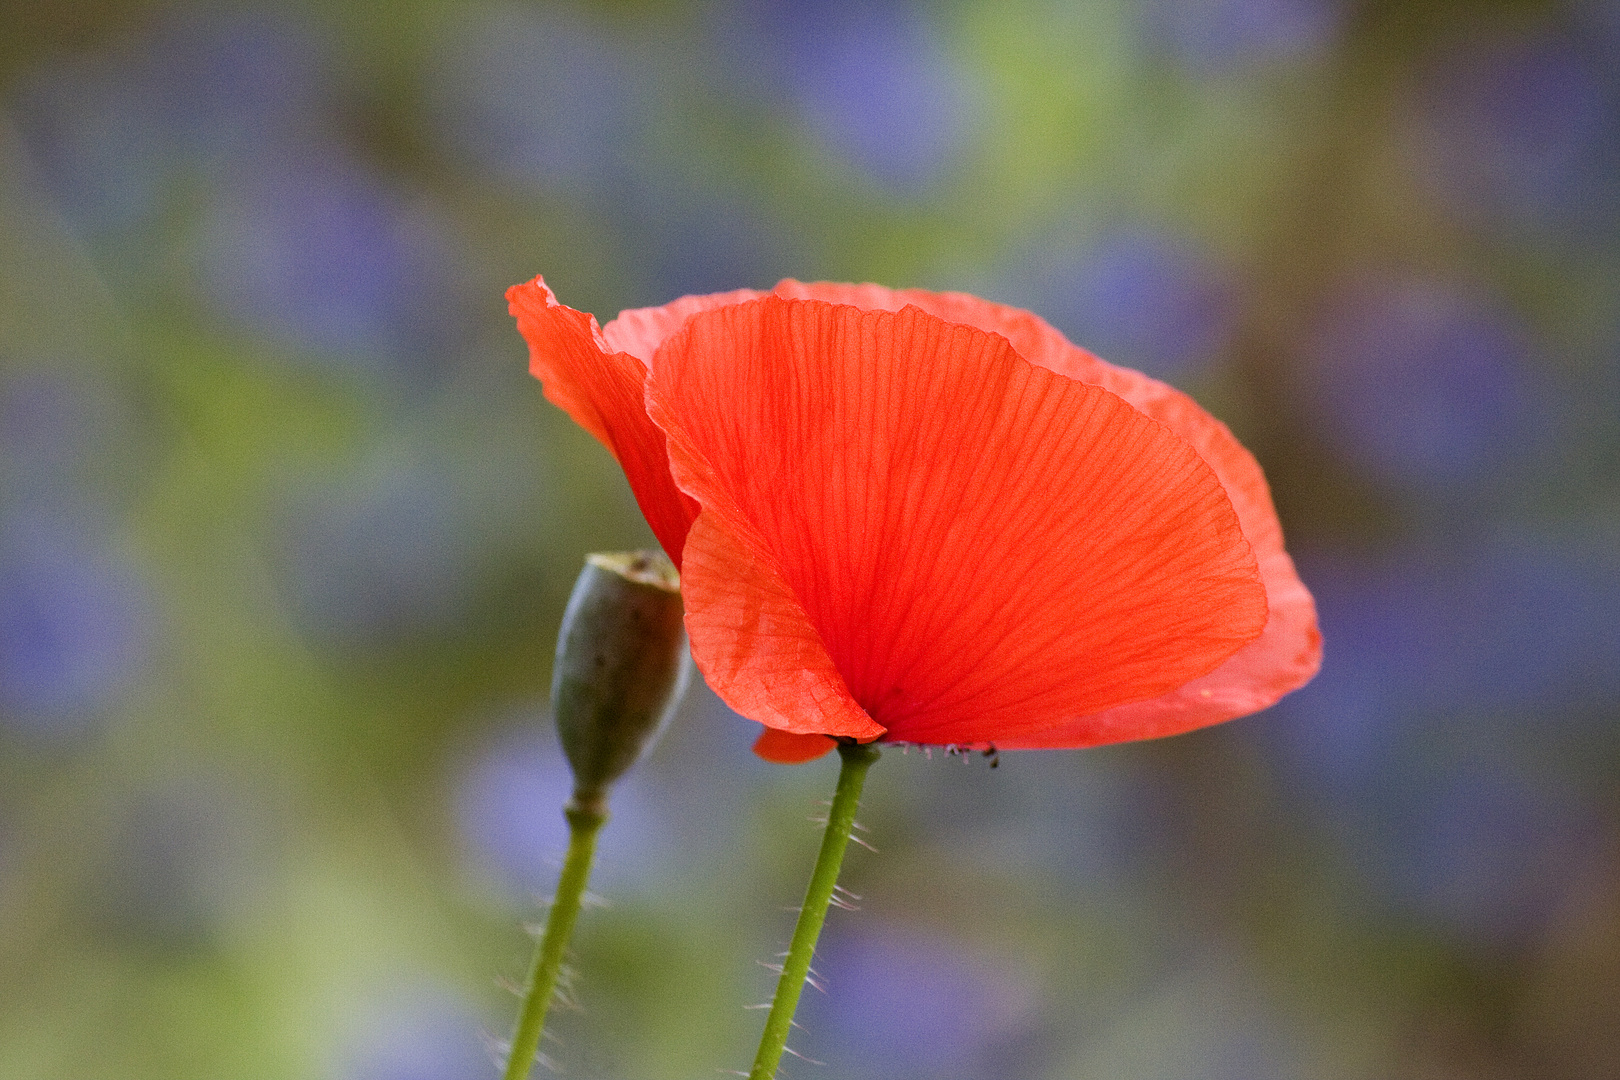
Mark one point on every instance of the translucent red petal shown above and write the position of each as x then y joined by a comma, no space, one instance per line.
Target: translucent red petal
604,391
906,526
1286,654
786,748
639,331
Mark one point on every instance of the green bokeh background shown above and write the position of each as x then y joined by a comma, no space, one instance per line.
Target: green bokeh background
309,549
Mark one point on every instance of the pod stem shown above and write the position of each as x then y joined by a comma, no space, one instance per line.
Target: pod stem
857,759
585,817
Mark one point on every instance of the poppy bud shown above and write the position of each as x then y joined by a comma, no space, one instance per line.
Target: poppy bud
621,666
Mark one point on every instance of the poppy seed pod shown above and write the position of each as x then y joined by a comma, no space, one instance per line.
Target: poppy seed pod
621,666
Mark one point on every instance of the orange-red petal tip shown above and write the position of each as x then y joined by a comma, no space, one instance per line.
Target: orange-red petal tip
603,390
787,748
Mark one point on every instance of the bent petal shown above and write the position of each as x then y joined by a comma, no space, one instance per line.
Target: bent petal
786,748
752,639
603,389
906,526
1283,658
1286,654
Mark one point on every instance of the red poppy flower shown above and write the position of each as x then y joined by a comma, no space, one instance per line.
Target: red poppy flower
927,518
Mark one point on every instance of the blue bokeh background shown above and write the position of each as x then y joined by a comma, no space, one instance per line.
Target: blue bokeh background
286,530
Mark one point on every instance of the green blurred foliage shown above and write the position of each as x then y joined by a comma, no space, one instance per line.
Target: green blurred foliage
286,817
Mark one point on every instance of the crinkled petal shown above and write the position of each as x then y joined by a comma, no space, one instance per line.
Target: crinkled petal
1286,654
906,526
603,389
639,331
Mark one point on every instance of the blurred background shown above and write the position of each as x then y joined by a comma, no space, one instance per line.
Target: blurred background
286,530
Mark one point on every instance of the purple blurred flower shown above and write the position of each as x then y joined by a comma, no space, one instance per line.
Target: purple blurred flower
322,256
693,242
541,96
296,241
1525,129
907,1003
1423,382
873,83
1139,297
1485,851
418,1034
380,555
1412,739
74,624
1602,16
1212,37
510,811
1518,630
112,132
228,83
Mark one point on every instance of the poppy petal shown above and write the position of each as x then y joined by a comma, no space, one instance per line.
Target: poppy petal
603,389
1283,658
1286,654
786,748
905,525
639,331
751,638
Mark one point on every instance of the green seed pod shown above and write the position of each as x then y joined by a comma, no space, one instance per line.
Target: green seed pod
622,665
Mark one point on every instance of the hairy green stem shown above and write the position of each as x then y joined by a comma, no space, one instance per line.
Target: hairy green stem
585,817
840,819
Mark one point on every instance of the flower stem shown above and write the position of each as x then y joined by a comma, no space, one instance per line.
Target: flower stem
840,819
585,817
